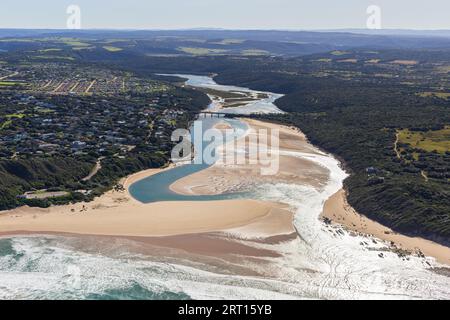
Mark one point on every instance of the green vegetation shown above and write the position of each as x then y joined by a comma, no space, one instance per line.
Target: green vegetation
52,141
442,95
112,49
9,120
202,51
19,40
74,42
18,176
15,115
353,110
54,57
324,60
5,124
51,50
229,41
255,52
339,53
8,83
82,48
354,115
108,41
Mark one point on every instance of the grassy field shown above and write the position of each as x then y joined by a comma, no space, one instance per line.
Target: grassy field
255,52
17,40
74,42
15,115
430,141
8,83
5,124
443,69
201,51
82,48
323,60
348,61
108,41
442,95
112,49
405,62
229,41
9,120
54,57
339,53
50,50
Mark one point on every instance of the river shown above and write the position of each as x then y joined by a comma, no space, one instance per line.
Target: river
319,264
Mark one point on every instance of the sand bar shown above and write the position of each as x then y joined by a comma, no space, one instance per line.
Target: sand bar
133,219
118,214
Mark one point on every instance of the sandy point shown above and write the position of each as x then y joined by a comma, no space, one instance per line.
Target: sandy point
119,214
338,211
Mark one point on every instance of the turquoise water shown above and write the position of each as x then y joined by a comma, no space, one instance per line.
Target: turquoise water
42,267
321,264
45,268
136,292
156,188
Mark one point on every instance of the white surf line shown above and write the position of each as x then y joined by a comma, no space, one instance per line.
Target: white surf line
344,268
324,263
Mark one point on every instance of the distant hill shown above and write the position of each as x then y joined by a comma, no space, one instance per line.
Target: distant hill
236,42
397,32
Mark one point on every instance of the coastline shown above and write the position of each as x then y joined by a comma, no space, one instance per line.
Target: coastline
118,214
339,212
336,208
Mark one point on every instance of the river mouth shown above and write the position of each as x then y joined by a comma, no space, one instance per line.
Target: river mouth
244,102
317,261
335,256
156,188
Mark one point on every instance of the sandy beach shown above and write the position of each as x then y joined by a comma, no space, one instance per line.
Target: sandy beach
340,212
118,214
225,178
222,179
158,219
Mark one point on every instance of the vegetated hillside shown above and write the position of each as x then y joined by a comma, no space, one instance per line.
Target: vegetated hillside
386,188
353,104
18,176
288,43
53,141
358,119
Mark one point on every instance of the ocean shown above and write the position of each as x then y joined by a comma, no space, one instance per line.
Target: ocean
324,262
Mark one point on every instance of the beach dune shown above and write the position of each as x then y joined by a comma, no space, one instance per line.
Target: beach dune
119,214
132,219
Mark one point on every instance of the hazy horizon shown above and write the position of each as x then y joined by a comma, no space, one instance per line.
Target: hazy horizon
231,29
288,15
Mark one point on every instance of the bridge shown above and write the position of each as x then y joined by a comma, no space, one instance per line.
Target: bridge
213,114
210,114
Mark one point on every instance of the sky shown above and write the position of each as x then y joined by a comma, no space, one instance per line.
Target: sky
228,14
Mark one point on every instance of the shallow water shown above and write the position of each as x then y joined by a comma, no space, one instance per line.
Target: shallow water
261,106
157,187
324,262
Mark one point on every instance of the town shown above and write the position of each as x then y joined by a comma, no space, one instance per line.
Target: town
92,115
